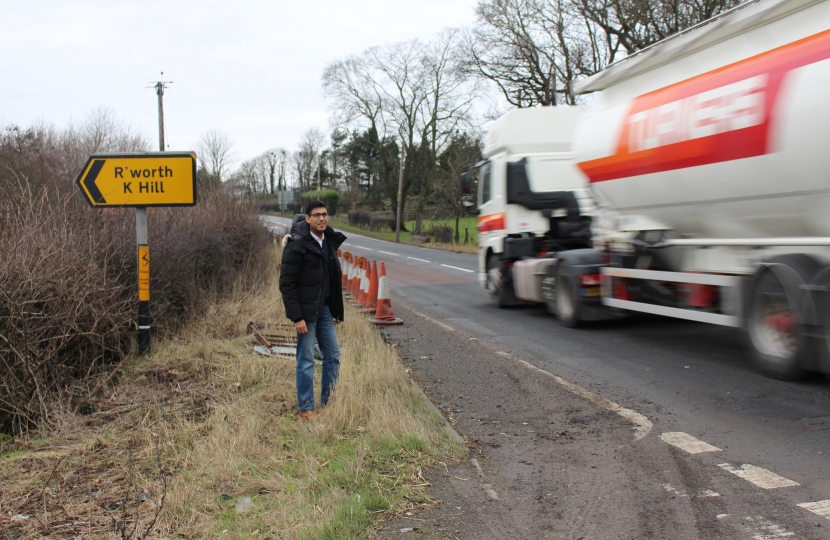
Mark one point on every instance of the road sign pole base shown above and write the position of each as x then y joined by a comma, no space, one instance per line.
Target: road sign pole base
386,322
143,328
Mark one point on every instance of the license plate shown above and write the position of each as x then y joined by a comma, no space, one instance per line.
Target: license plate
592,291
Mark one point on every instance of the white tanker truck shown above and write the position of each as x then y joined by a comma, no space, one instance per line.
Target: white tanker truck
707,160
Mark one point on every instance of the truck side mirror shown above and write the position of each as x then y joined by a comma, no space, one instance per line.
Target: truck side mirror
466,183
469,205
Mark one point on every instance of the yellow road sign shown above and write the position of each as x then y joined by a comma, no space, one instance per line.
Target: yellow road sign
147,179
144,273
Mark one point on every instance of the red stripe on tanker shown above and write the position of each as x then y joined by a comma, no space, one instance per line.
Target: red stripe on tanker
725,114
493,222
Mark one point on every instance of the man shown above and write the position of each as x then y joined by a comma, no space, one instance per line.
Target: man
310,283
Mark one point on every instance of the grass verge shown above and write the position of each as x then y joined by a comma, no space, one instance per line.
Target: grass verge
201,440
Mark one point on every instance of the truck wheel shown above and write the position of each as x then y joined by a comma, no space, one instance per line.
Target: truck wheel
821,299
549,289
566,302
494,282
774,324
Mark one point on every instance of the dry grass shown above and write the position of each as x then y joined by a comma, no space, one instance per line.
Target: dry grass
215,423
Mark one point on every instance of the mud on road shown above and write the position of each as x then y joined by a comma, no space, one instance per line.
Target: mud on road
547,463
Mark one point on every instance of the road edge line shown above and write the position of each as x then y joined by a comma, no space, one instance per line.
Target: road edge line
445,326
642,425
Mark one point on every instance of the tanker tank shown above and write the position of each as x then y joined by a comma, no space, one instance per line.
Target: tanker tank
720,133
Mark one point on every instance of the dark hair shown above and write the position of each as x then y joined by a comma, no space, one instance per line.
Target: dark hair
314,204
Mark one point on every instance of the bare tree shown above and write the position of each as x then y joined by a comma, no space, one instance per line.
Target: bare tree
449,90
336,154
307,158
101,131
43,156
534,50
462,152
447,108
271,162
636,24
246,181
215,151
407,93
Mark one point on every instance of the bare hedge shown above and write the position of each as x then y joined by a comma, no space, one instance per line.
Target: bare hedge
68,299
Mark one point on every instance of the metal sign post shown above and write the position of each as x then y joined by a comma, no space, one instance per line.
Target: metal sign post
143,280
140,180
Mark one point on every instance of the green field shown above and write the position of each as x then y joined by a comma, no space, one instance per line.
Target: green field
468,222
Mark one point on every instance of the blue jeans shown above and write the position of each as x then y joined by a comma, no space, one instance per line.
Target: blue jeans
323,332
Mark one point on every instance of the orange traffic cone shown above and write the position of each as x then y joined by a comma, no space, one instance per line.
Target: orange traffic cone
365,274
352,269
350,281
348,276
383,314
347,271
354,287
372,296
340,262
359,279
343,270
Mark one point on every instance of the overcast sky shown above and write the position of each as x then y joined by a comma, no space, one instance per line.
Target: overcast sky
250,69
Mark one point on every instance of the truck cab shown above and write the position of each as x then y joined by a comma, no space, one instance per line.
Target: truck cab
532,199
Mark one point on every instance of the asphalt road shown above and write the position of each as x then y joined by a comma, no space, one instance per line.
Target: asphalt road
682,376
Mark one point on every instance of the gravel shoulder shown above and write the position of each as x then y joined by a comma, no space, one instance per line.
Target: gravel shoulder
547,463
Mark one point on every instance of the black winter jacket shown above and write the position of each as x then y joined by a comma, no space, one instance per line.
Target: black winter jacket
301,274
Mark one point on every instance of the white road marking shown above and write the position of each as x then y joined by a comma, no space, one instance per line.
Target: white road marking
417,259
821,508
686,442
721,516
762,478
677,492
457,268
766,529
642,424
387,253
447,327
681,493
355,246
367,249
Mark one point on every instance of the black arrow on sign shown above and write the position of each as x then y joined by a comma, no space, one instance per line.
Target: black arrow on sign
89,181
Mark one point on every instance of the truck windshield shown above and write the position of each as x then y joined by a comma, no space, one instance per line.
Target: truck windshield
484,184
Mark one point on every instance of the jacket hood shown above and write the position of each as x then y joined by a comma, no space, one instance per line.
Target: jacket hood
299,227
300,230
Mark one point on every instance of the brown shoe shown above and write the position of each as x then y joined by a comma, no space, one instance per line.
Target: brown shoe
308,415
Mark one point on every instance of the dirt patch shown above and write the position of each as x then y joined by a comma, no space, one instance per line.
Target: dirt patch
550,464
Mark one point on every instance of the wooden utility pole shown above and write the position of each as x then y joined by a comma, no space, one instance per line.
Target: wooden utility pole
160,86
144,247
400,190
354,190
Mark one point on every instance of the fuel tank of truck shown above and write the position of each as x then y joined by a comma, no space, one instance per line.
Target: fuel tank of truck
723,132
